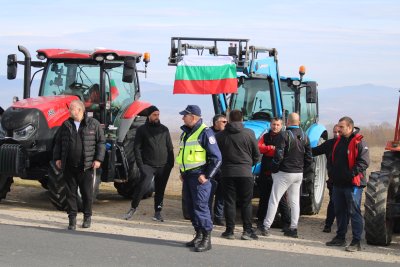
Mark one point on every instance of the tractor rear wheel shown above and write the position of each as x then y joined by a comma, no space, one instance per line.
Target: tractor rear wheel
126,189
5,185
314,186
380,192
57,190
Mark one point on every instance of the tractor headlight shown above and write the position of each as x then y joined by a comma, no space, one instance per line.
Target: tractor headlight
24,133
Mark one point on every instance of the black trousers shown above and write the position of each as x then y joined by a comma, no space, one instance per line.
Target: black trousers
265,186
147,172
74,177
238,189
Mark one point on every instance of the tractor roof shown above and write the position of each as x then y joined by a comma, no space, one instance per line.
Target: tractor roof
85,54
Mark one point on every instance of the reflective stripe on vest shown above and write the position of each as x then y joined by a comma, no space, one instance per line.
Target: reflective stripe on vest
191,153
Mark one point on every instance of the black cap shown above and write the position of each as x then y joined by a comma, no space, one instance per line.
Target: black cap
191,109
151,109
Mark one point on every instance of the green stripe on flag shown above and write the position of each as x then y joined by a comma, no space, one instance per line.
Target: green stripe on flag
205,72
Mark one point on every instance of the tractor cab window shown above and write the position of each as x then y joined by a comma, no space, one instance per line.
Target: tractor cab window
254,100
308,111
287,98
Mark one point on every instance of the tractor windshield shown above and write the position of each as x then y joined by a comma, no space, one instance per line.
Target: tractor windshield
254,100
83,80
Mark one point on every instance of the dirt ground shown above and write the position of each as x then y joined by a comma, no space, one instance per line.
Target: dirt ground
27,204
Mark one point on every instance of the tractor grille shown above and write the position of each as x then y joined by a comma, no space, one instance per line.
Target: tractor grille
12,159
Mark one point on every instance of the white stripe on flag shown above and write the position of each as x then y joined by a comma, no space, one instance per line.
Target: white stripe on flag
205,60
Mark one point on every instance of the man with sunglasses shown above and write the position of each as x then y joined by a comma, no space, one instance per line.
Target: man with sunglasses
199,159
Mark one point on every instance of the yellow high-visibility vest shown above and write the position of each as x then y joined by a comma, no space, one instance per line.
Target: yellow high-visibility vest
191,153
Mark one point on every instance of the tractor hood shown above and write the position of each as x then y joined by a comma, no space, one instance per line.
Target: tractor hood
258,127
53,108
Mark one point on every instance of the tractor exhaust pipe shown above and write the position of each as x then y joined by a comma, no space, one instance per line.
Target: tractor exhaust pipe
27,71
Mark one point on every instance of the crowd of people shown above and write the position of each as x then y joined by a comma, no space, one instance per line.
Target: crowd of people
215,166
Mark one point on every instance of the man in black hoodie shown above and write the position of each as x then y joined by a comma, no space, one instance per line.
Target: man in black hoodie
154,157
350,160
292,156
239,151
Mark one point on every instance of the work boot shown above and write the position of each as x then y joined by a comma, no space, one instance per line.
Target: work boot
291,233
72,223
354,246
336,242
205,243
158,217
129,214
196,240
87,221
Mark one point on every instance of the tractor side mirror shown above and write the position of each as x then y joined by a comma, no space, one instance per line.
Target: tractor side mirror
311,92
129,69
12,66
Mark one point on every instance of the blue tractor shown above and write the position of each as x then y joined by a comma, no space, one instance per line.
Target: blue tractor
263,94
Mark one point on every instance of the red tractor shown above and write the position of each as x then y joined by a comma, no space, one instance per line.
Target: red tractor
106,81
382,197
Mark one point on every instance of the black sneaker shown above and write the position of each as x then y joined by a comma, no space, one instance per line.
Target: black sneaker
336,242
327,229
87,221
291,233
354,246
129,214
228,235
219,221
261,230
249,235
158,217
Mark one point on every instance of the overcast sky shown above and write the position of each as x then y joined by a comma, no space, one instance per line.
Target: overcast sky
341,42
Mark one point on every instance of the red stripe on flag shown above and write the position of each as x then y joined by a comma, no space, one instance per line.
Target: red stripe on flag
204,87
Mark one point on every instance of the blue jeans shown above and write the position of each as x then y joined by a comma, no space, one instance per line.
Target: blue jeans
197,198
347,203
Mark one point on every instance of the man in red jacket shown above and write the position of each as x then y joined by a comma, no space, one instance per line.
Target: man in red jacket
266,145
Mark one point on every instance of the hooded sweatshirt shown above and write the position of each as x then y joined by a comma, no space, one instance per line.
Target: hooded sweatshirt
239,150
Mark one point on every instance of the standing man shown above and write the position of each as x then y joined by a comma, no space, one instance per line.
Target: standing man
219,123
326,148
199,159
266,145
239,153
292,156
154,157
79,149
350,160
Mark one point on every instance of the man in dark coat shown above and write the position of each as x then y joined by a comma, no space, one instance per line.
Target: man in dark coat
79,149
154,157
239,151
350,160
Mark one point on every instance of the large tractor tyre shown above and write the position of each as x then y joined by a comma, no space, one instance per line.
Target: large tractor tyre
5,185
391,164
315,187
57,190
379,192
126,189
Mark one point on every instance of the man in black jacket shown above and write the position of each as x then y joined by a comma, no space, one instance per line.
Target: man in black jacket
292,156
79,148
239,151
154,156
350,160
326,148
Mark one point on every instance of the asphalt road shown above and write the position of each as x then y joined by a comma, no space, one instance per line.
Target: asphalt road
38,246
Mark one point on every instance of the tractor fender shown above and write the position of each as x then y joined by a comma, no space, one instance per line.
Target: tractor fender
129,116
315,132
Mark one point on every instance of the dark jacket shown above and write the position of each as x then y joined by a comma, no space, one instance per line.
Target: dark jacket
292,152
239,150
93,142
208,142
153,145
266,145
326,149
350,160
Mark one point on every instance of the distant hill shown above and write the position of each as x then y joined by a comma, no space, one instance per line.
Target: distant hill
366,104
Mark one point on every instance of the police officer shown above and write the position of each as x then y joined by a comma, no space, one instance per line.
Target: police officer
199,159
79,148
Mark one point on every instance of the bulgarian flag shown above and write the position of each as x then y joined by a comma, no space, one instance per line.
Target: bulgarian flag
205,75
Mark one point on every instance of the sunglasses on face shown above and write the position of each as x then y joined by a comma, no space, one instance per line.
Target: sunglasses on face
224,122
